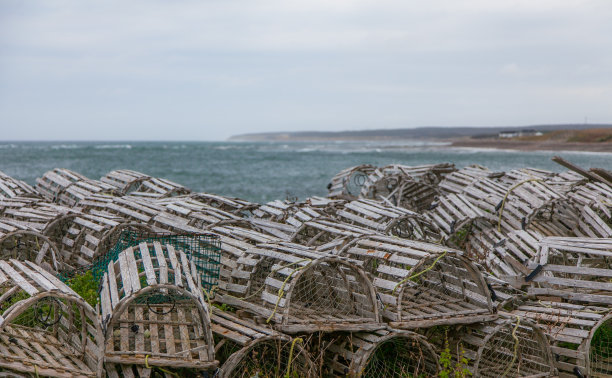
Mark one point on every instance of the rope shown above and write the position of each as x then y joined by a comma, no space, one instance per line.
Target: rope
501,210
516,346
160,368
281,291
36,371
297,339
208,295
419,273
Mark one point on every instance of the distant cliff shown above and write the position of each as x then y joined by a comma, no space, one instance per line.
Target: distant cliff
433,132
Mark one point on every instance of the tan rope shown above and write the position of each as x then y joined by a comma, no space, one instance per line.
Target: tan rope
516,346
296,340
281,291
419,273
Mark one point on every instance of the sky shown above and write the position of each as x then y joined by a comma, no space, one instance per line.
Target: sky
209,69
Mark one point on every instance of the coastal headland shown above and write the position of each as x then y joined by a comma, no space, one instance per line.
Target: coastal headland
568,137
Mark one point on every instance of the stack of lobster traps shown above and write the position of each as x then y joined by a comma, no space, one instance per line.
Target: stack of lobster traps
401,271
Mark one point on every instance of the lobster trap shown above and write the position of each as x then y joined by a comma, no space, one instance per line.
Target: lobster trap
246,349
347,183
45,327
422,284
66,187
377,354
300,290
202,250
11,187
456,182
514,347
453,215
579,334
154,312
23,243
387,219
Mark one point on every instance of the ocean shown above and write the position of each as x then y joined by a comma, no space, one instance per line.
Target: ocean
260,171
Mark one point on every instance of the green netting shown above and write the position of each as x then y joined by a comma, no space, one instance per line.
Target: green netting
201,249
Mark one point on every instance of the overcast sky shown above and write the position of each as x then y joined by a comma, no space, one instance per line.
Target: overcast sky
208,69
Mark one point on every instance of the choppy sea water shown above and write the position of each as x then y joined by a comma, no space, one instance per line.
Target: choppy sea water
262,171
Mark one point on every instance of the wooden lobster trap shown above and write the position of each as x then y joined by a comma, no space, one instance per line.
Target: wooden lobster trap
36,214
388,220
68,188
377,354
11,188
229,204
125,180
23,243
141,185
299,290
283,219
453,215
155,188
579,334
413,188
420,284
328,234
521,174
506,255
198,214
154,314
577,270
132,209
235,241
456,182
247,349
46,329
506,347
594,200
347,183
82,238
530,204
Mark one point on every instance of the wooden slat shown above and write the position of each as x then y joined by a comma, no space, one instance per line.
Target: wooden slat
18,279
161,261
147,263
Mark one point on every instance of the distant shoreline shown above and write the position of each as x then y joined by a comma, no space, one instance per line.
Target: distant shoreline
521,145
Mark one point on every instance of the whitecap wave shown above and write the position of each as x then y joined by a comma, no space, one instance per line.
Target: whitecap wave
113,146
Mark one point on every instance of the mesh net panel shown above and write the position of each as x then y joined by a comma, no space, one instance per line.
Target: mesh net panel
332,289
201,249
271,359
443,287
600,355
504,355
400,357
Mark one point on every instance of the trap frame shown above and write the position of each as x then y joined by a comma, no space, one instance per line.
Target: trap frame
202,251
154,312
298,290
347,183
11,187
508,346
246,349
422,284
45,327
23,243
377,354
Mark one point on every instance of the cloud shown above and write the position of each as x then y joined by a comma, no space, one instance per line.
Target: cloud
310,64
